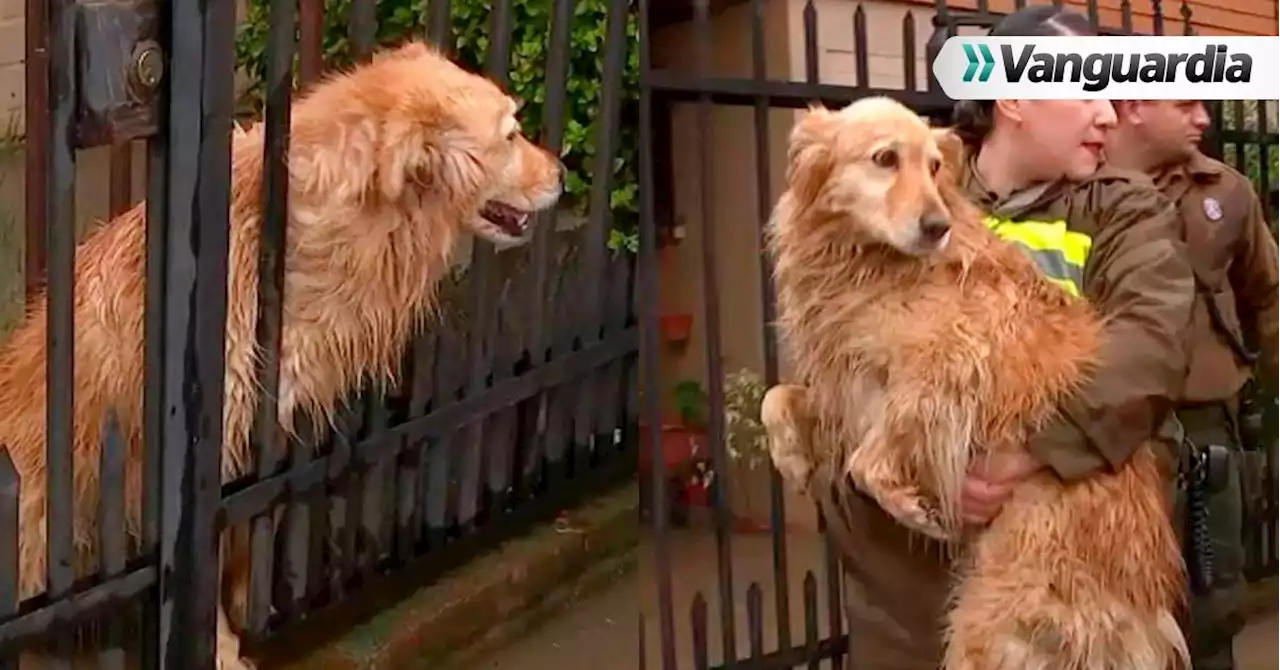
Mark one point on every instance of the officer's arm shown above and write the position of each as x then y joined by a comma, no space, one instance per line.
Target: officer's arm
1138,278
1255,283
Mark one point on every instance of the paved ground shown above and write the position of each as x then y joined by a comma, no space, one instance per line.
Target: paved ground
601,631
1256,647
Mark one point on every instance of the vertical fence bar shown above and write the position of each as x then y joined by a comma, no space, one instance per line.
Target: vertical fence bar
376,520
200,109
811,618
310,41
60,164
768,309
541,291
811,55
439,28
861,67
755,622
120,179
648,278
362,28
698,622
266,433
409,520
1241,134
481,313
38,126
909,51
1157,17
1264,154
1126,15
600,220
10,492
112,548
711,312
810,17
448,370
1092,7
153,425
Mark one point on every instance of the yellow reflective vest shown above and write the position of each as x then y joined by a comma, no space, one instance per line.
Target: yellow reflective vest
1059,252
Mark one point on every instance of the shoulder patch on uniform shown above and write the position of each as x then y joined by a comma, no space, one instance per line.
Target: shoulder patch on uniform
1212,209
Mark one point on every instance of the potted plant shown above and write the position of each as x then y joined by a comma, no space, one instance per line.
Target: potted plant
686,436
683,445
746,442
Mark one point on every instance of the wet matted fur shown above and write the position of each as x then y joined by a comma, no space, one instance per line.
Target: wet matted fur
389,165
921,341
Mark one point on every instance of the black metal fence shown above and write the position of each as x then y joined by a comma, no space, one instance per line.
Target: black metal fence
516,403
1247,136
807,632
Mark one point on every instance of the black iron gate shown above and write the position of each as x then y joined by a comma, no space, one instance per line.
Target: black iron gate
807,631
516,404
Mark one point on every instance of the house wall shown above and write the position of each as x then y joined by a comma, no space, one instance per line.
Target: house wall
734,217
1208,17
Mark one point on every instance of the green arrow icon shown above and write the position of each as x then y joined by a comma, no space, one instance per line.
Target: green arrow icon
987,61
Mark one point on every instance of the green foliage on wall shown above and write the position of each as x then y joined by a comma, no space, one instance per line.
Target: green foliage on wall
401,19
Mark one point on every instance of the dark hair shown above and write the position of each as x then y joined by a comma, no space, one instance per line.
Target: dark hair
972,119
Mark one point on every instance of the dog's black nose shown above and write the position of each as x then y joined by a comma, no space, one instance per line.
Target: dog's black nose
934,227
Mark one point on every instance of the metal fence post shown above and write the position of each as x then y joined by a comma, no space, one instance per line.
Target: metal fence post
199,131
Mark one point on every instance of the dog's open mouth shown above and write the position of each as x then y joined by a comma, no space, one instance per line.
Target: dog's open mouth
512,220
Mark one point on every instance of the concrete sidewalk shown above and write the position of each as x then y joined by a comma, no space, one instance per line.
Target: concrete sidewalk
601,631
1256,646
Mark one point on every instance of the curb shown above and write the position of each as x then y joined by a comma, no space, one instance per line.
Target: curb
598,578
495,598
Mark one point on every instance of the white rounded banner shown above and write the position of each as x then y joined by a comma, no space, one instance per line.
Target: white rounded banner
1109,68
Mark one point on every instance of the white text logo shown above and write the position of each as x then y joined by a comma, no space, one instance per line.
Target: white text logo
1110,68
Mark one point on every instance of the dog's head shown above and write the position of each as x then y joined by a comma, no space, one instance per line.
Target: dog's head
874,167
420,128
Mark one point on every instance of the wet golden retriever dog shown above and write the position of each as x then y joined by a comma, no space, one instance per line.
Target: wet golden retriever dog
390,164
921,342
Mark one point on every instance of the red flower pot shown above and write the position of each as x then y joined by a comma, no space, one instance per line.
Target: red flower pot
675,328
697,495
680,444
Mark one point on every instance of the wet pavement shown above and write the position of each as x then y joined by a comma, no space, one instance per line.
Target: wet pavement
601,631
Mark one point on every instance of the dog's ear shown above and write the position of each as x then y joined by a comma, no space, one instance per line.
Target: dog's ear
952,148
809,156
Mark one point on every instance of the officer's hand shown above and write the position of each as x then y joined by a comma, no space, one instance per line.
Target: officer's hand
991,481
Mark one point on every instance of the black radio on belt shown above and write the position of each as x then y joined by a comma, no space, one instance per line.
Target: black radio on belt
1204,471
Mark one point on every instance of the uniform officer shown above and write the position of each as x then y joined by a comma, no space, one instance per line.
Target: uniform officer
1233,255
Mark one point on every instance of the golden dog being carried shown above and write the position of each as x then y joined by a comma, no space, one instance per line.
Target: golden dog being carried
389,165
921,342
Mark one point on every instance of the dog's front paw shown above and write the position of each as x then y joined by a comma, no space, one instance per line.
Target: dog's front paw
780,414
913,510
905,503
791,463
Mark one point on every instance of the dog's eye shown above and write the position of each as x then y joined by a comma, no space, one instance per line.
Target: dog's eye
885,158
511,136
